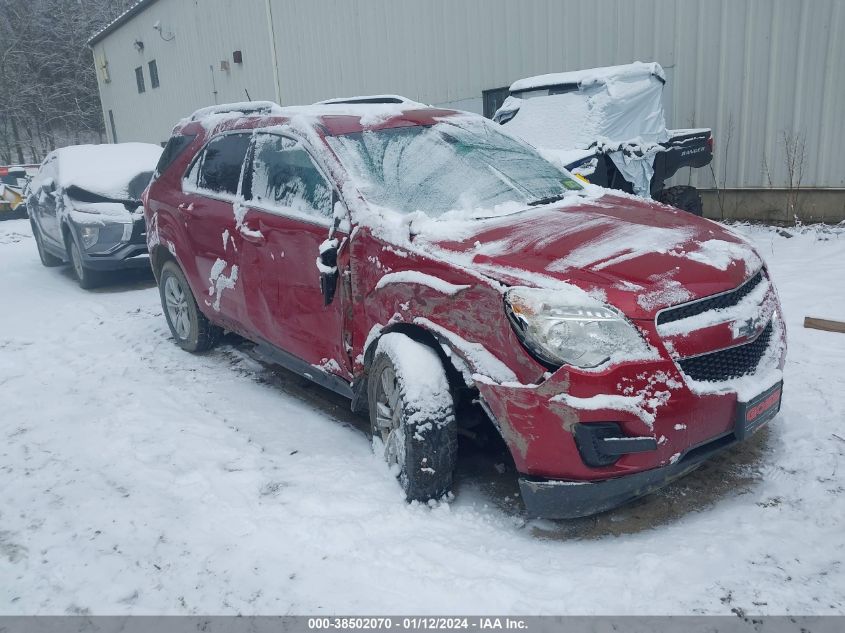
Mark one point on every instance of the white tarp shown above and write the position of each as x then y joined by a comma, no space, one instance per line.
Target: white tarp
615,107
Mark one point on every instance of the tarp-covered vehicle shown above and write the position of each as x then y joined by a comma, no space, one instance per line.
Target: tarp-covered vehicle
84,207
607,125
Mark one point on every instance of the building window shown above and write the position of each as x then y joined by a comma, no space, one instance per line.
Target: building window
493,100
153,74
113,128
139,79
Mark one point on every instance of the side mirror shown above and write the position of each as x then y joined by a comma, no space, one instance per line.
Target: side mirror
48,186
327,265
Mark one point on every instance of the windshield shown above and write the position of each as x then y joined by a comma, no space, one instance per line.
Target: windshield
453,165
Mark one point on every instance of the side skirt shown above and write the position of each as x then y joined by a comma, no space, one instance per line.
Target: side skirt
270,353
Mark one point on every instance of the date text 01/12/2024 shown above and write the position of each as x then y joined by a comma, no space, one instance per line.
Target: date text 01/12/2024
417,623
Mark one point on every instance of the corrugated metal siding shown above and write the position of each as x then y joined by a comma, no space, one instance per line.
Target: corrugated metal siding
205,33
756,71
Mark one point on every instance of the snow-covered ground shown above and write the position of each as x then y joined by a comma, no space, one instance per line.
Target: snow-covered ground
137,478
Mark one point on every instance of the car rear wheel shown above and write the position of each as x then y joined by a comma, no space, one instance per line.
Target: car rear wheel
412,416
48,259
86,277
682,197
189,326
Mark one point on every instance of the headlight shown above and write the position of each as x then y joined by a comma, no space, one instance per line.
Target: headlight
568,327
89,235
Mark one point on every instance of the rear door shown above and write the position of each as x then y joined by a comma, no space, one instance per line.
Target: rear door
208,211
288,202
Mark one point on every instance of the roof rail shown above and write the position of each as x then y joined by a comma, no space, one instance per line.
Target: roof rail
242,108
386,99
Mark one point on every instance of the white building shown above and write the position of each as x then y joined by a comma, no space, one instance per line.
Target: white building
767,75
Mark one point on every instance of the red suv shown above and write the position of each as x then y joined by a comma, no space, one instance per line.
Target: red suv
414,259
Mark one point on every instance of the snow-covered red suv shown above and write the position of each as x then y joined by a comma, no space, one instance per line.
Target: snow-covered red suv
414,258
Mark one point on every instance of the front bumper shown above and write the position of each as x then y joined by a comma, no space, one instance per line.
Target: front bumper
554,499
674,424
130,254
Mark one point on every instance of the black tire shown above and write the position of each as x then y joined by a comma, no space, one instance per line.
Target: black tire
682,197
86,277
190,328
48,259
420,437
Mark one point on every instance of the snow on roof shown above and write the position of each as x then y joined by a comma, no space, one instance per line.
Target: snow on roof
371,110
366,99
242,108
590,76
120,20
105,169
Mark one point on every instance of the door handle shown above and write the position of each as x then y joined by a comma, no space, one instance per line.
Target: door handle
186,207
251,235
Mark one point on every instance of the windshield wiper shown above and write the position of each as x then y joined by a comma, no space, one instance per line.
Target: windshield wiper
547,200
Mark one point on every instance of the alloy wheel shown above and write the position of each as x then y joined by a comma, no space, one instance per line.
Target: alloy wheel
389,417
176,300
76,259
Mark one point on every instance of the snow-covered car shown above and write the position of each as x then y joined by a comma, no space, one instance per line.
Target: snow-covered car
419,261
84,206
607,125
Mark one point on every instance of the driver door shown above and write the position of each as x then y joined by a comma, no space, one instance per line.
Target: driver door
288,203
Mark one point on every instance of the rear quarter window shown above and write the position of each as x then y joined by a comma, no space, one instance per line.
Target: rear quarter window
221,163
174,148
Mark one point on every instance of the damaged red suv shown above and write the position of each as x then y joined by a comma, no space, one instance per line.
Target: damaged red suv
413,258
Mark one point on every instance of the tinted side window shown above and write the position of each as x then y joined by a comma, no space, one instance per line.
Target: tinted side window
175,146
221,163
284,176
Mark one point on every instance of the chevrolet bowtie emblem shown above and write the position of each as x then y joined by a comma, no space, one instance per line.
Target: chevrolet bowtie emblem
748,328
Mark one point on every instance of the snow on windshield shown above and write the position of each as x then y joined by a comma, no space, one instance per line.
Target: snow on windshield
460,164
107,170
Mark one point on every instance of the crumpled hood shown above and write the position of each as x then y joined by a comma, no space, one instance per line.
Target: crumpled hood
99,212
635,254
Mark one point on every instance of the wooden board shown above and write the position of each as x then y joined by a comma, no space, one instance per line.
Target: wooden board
824,324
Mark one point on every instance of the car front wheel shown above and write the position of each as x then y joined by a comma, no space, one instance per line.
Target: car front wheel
412,416
86,277
188,325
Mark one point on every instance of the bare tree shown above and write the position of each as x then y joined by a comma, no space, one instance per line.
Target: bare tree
720,187
795,157
48,86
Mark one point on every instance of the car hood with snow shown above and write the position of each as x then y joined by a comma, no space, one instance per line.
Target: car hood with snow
635,255
99,180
